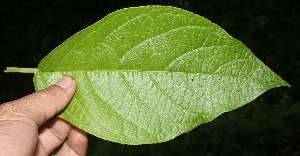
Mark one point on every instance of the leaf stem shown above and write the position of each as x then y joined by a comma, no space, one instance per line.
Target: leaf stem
20,70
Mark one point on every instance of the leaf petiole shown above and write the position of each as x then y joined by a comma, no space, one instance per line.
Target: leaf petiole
20,70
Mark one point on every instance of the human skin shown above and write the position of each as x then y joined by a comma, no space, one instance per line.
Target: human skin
28,126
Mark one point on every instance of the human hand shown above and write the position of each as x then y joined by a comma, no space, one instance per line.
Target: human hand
25,128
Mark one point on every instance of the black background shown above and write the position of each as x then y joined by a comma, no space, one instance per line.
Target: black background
267,126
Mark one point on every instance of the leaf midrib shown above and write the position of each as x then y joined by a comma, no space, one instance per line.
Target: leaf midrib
156,71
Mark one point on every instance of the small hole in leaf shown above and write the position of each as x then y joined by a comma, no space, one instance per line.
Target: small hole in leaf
123,38
201,86
192,79
238,90
132,40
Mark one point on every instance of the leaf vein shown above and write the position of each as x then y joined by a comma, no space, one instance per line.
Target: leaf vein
188,53
168,97
122,60
99,98
136,96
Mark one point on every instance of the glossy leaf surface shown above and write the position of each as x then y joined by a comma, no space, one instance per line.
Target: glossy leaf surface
148,74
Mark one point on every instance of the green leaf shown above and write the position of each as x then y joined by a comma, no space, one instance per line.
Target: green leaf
148,74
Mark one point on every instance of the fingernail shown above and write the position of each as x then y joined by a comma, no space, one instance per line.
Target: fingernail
65,82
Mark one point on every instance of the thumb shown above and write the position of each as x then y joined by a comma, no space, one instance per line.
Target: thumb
44,104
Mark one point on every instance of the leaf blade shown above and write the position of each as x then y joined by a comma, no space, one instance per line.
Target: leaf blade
148,74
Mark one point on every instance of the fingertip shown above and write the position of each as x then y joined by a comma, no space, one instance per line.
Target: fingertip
65,82
76,144
78,141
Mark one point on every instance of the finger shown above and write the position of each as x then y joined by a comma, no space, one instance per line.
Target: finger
21,118
53,134
43,105
76,145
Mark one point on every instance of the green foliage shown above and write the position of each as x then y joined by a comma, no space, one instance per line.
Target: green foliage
148,74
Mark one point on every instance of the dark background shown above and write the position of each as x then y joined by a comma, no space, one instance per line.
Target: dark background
270,28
